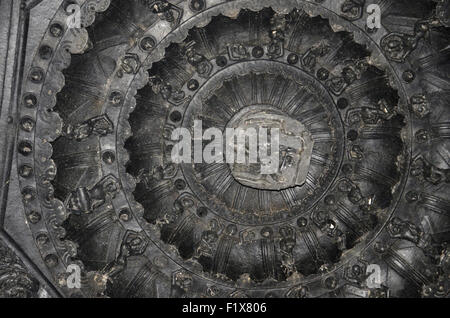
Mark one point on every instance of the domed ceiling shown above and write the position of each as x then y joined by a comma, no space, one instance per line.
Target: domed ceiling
362,210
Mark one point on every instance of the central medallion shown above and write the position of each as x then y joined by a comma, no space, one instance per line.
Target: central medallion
264,95
283,158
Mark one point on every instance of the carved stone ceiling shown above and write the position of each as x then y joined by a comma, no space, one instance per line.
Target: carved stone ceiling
91,182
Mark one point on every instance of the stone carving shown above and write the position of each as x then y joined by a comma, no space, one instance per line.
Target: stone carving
133,244
427,172
220,236
238,52
15,280
309,60
166,11
410,232
166,90
443,12
201,64
85,200
353,9
352,71
398,46
296,147
419,105
277,36
131,63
